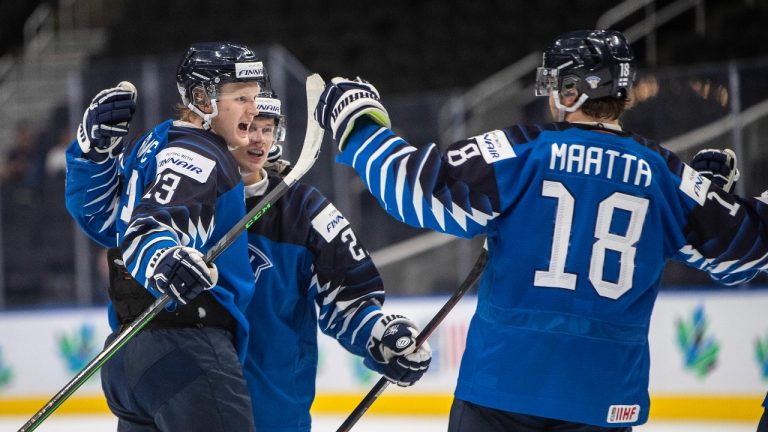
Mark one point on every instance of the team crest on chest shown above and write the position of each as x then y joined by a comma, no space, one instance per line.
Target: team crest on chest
259,261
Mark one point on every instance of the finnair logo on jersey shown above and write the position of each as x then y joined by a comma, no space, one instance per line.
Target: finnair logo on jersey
623,413
694,185
249,70
494,146
185,162
329,222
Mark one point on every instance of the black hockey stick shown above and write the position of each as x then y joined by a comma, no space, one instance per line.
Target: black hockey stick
378,389
309,152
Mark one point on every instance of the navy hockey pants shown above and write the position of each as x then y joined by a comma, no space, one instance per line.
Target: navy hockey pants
468,417
178,379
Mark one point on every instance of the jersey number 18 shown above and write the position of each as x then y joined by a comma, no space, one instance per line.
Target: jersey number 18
557,277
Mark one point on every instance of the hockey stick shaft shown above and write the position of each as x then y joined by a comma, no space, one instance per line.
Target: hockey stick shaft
383,383
309,152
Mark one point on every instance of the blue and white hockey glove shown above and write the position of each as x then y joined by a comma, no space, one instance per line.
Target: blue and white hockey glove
717,165
274,163
181,273
392,350
105,122
343,101
275,153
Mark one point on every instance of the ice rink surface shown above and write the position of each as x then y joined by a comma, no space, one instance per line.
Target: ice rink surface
72,423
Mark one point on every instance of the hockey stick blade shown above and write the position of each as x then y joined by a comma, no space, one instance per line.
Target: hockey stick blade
383,383
307,158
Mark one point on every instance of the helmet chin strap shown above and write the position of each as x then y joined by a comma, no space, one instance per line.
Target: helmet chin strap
562,109
206,117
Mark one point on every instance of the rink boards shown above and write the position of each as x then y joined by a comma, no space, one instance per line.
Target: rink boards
709,360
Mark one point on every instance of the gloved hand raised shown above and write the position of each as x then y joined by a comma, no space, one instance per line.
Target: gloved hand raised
717,165
343,101
105,122
181,273
274,163
392,350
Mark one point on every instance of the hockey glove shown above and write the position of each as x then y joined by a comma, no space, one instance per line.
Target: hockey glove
717,165
275,153
181,273
105,122
343,101
392,350
274,163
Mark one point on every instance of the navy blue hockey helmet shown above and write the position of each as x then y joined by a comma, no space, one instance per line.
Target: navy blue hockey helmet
208,65
270,106
595,63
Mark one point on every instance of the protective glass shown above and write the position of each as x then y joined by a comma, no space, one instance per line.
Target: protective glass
546,80
271,132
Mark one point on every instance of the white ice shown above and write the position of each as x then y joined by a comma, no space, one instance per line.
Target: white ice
373,423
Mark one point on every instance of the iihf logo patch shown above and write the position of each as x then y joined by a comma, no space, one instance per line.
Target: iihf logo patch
623,413
593,81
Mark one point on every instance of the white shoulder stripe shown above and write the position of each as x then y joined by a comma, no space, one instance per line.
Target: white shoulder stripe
418,193
385,167
365,144
400,185
103,196
389,142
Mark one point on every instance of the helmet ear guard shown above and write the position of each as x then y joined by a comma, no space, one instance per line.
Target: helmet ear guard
200,97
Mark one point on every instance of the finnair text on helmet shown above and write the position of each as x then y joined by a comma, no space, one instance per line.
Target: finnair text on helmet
249,70
351,98
268,105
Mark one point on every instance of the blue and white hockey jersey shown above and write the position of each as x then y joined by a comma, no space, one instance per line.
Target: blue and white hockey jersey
305,258
579,222
176,185
310,269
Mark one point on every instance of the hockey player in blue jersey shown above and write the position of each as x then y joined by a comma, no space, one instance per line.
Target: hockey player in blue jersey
310,269
559,340
304,257
176,192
